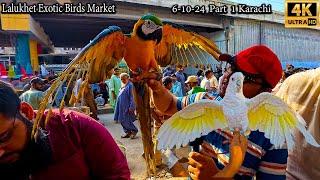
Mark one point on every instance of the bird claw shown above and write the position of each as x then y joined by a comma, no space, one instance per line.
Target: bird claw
142,76
245,133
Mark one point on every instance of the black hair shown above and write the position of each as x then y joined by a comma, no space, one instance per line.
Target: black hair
200,73
166,80
207,72
9,100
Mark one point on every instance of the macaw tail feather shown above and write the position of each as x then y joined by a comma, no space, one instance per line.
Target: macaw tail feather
142,99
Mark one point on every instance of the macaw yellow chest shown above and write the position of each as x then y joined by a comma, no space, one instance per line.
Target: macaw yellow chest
140,54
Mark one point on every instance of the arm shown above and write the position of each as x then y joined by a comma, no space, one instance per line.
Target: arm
202,166
273,165
163,100
104,158
167,103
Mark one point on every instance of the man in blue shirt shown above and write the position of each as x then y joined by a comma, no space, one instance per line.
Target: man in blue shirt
262,70
181,78
177,87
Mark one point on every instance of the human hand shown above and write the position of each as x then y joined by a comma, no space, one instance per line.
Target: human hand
238,145
145,76
206,149
201,166
131,111
237,148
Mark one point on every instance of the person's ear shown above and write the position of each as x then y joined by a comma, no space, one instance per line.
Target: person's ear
26,110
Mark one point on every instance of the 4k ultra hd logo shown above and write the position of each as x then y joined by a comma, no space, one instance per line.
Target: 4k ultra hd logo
301,14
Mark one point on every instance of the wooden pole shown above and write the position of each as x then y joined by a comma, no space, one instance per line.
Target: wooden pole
142,98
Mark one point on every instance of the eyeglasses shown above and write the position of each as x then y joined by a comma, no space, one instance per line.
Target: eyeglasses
4,137
254,80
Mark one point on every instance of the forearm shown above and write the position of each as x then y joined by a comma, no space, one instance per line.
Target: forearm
226,173
234,165
164,101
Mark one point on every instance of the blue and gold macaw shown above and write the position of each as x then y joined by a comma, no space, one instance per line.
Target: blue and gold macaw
150,45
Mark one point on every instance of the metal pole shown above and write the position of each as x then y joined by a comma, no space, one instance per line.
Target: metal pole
260,33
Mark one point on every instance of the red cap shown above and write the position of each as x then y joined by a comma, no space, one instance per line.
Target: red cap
260,60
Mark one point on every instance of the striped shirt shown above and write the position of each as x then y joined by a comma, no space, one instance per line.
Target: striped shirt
261,159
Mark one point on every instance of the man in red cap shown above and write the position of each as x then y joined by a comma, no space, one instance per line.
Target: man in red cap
262,70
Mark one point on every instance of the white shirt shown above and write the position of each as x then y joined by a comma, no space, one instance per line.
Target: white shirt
44,71
205,84
214,82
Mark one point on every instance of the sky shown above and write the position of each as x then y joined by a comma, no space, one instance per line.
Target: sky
277,5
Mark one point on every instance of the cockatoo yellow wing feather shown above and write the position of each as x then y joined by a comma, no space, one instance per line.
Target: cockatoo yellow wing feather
277,120
194,121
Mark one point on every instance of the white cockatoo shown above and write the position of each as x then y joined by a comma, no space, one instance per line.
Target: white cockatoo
265,112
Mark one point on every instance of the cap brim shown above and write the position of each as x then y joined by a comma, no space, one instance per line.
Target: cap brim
191,82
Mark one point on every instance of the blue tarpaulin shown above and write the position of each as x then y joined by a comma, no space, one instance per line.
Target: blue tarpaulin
302,64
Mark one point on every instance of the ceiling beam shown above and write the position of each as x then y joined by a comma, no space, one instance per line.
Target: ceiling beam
63,1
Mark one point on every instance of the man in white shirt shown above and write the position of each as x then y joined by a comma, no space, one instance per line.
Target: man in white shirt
214,84
205,83
44,71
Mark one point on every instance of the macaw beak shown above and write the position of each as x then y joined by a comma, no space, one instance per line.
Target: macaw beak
158,34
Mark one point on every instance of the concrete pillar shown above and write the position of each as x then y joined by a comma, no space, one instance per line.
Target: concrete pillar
23,51
34,55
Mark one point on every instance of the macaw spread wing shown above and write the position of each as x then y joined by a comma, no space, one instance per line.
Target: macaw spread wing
92,64
182,47
274,117
192,122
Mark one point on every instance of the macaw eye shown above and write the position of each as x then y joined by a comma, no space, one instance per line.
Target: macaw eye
232,79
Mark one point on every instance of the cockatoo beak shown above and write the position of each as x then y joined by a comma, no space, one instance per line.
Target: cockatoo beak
238,82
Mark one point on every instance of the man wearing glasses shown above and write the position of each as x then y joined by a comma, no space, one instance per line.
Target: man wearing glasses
70,146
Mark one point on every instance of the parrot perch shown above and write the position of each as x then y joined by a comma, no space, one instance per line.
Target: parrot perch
265,113
150,45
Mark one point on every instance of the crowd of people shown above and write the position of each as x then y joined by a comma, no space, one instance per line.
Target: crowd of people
180,84
73,145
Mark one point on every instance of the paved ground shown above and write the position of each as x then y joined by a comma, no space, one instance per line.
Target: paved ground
134,147
134,150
